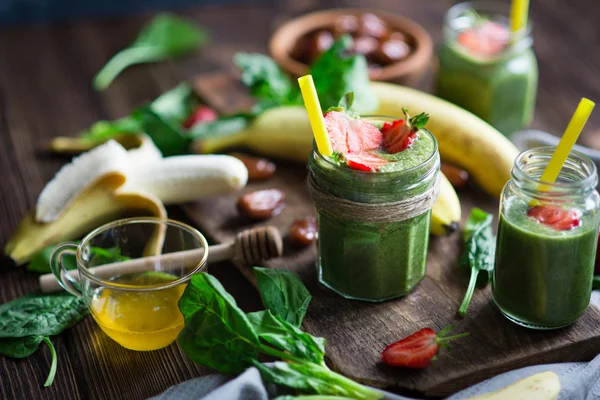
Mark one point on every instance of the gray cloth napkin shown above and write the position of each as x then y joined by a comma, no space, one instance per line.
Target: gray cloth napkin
578,381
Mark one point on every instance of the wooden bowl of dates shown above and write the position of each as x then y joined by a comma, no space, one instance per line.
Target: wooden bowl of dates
396,48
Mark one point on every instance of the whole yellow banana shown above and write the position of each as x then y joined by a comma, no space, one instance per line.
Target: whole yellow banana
463,139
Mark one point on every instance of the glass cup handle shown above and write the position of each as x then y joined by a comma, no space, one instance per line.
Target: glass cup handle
64,279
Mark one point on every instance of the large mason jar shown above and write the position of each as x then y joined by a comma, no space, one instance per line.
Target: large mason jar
546,244
374,226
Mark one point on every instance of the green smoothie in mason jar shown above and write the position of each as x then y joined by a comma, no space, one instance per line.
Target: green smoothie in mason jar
547,239
485,68
374,199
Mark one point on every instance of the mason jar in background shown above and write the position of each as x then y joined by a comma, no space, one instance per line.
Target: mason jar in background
546,243
373,226
485,69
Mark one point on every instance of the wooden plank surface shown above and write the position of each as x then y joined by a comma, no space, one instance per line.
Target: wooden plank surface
45,91
356,332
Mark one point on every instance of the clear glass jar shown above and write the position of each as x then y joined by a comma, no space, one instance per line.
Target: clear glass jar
543,275
372,261
499,88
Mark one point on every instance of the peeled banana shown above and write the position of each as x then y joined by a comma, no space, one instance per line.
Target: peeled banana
109,182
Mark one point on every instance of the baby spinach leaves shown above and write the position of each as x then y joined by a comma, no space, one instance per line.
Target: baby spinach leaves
166,36
283,293
31,319
216,333
478,253
220,335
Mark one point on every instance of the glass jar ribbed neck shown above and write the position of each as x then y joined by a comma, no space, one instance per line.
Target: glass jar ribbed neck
460,17
577,179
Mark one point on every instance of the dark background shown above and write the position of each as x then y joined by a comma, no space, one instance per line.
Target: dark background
46,69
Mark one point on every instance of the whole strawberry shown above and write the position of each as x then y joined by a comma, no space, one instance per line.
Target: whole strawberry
419,349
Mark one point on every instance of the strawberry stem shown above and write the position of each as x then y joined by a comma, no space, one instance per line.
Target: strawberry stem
448,338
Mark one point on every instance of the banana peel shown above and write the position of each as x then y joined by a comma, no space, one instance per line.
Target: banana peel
77,145
446,212
95,206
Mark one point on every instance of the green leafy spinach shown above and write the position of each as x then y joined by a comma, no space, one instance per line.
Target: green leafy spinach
31,319
220,335
478,253
283,293
166,36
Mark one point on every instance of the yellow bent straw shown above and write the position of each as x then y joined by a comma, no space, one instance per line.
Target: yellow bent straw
519,11
584,109
315,116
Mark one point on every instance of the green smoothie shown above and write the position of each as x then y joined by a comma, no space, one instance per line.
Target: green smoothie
543,276
376,261
481,70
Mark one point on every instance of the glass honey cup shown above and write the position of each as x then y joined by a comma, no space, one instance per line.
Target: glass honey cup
131,274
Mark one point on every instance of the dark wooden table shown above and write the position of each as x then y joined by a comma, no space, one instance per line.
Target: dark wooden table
45,75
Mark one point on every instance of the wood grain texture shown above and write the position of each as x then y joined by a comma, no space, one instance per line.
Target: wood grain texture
45,91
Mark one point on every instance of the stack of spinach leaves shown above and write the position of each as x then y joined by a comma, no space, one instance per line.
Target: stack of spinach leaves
220,335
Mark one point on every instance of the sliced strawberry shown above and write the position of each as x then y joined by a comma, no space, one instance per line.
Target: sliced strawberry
555,216
487,39
397,136
200,115
349,135
364,161
417,350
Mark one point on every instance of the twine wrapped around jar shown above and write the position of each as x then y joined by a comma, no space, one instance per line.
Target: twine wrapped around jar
373,212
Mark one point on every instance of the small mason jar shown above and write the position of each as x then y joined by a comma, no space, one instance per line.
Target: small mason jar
543,271
500,88
373,226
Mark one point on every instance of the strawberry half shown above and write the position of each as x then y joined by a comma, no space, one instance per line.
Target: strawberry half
419,349
487,39
401,134
350,135
555,216
200,115
364,161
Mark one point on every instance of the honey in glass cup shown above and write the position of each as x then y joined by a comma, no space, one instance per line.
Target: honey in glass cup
131,274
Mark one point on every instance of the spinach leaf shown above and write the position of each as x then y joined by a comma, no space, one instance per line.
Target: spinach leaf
19,347
98,256
284,336
478,253
174,105
39,314
104,130
283,293
219,335
222,126
166,36
337,72
267,82
28,320
313,378
216,333
41,261
166,135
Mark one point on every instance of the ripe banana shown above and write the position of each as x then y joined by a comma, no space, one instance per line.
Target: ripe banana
463,139
446,212
109,182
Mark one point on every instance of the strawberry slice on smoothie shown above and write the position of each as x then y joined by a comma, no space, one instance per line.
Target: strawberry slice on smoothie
486,39
555,216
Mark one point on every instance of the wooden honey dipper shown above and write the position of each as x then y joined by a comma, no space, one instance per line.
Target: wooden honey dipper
249,247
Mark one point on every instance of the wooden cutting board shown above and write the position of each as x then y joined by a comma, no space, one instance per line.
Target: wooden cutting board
356,332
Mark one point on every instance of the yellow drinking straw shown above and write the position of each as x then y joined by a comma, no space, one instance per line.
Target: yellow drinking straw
519,11
584,109
315,116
